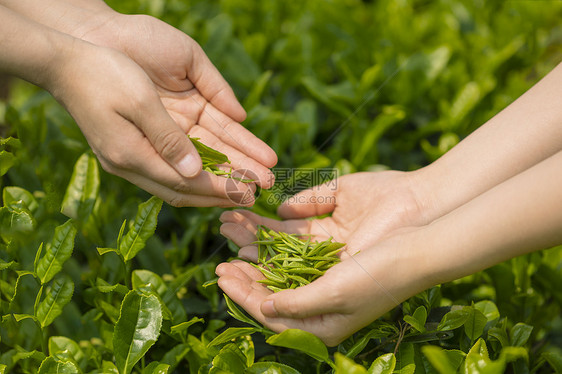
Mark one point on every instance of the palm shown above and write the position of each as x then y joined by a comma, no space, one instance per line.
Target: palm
367,208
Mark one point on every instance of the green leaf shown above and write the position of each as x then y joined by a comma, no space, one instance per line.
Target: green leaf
137,328
345,365
103,251
21,317
56,298
142,228
6,265
59,365
438,358
3,369
265,367
230,359
500,335
156,368
14,194
555,360
181,327
453,319
59,344
384,364
173,308
509,354
417,320
175,355
210,157
489,309
56,252
105,287
83,188
109,367
15,221
302,341
232,333
519,334
238,314
7,160
475,323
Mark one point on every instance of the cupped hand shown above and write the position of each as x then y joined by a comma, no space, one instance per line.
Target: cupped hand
364,207
346,298
119,110
190,87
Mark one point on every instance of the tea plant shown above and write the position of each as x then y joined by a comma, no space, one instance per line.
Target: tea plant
96,276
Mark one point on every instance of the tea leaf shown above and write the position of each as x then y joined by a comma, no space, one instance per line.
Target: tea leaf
231,334
137,328
56,252
14,194
266,367
59,365
142,228
55,300
519,334
383,364
302,341
83,188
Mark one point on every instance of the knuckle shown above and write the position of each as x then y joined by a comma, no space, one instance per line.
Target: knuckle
116,159
170,145
183,186
176,201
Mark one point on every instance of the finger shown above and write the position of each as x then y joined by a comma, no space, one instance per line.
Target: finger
179,199
165,135
143,160
205,76
237,136
239,161
315,201
251,220
237,233
238,280
303,302
249,253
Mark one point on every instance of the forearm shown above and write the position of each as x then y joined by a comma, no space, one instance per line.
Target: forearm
29,50
525,133
518,216
90,20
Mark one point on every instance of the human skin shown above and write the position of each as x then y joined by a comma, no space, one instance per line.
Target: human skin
516,217
489,199
194,94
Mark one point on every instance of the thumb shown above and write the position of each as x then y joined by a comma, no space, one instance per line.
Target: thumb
315,201
167,138
307,301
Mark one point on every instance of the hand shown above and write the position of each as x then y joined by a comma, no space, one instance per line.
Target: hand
365,208
121,115
190,87
348,297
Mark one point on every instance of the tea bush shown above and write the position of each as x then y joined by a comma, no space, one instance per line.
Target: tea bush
98,277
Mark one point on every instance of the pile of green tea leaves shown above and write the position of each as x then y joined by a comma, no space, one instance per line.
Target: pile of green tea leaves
288,261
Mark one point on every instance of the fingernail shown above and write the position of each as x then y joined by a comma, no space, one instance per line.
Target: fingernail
188,166
268,309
